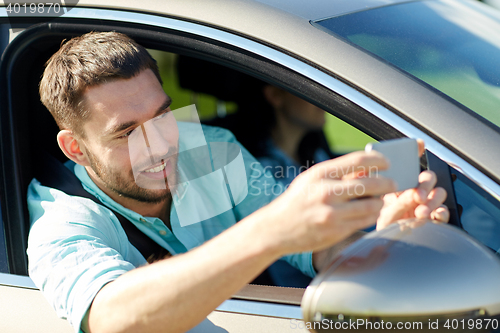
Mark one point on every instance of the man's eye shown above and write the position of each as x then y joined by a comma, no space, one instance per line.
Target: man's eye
125,135
162,115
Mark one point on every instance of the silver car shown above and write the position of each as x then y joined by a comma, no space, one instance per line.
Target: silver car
382,69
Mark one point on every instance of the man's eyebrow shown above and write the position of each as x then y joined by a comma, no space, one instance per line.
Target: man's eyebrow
163,107
121,127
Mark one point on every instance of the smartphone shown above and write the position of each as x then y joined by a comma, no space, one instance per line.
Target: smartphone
403,158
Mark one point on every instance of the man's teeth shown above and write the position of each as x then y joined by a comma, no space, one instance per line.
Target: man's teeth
158,168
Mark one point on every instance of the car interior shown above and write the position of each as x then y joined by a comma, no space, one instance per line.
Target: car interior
204,68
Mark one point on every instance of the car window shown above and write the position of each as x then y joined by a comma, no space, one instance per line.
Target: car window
435,42
192,81
480,213
208,106
344,138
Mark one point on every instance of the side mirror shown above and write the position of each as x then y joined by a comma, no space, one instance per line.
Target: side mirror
414,275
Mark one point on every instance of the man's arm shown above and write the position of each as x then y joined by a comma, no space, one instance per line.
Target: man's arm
175,294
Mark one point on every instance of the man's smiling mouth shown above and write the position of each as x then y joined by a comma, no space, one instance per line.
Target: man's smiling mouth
159,171
158,168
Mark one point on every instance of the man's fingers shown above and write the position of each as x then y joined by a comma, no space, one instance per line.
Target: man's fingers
427,180
352,163
441,214
434,201
397,209
421,147
359,208
345,190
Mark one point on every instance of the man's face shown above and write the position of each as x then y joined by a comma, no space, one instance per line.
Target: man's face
302,113
131,138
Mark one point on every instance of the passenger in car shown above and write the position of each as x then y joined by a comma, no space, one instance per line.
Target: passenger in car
104,91
292,142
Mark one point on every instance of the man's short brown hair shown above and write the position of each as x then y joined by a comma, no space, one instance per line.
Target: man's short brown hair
87,61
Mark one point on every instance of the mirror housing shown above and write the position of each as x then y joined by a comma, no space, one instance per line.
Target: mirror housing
414,271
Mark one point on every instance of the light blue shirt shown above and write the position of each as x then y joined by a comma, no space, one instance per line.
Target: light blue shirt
76,246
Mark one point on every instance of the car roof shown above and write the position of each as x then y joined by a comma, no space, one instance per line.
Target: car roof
309,10
263,22
283,24
320,9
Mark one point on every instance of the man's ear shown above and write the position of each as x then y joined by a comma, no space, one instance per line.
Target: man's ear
72,147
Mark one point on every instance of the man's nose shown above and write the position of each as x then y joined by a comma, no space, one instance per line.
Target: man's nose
156,143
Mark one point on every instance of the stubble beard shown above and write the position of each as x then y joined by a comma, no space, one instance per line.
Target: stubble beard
126,186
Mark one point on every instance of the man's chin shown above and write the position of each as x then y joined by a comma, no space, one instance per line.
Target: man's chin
147,196
157,197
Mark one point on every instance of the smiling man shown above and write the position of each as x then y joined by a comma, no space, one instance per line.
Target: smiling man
104,91
118,107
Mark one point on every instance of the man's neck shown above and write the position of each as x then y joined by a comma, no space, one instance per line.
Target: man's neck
287,137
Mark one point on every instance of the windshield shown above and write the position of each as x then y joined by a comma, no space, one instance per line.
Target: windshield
453,46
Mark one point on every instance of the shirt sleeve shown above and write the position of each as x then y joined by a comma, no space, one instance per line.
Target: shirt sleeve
303,262
74,248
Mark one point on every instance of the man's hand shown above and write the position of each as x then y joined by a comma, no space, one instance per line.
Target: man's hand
327,203
424,202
